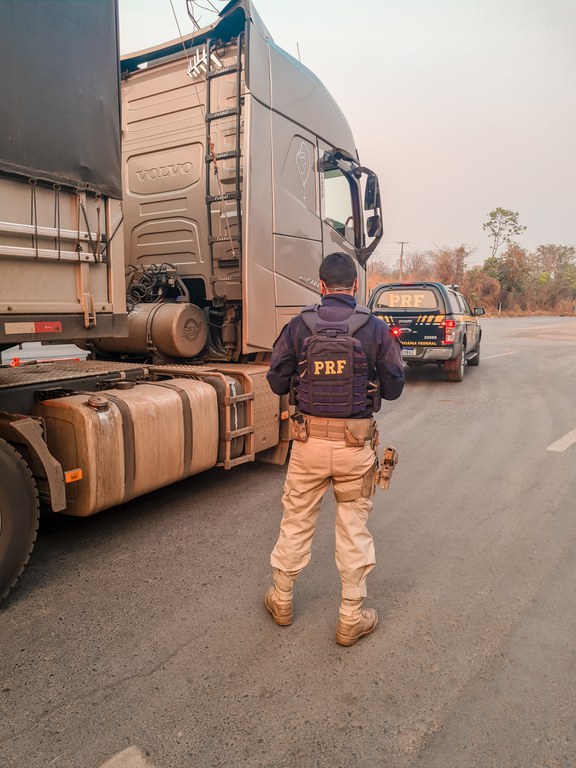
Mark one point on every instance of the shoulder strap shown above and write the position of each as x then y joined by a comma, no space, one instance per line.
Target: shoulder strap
310,316
358,318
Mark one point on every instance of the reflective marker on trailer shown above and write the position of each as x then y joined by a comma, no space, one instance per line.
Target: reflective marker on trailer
72,475
48,327
40,326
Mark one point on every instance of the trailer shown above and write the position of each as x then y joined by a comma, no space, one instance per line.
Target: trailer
168,212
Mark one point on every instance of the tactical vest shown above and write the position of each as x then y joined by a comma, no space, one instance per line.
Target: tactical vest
333,377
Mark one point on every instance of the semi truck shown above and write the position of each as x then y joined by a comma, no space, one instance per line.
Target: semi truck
166,211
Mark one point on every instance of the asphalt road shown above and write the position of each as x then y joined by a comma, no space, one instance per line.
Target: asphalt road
143,627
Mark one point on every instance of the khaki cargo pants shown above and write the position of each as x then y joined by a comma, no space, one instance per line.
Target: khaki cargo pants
328,455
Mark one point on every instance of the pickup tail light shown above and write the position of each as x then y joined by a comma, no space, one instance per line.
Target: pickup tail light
395,331
449,331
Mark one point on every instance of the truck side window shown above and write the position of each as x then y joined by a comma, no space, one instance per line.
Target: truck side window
338,203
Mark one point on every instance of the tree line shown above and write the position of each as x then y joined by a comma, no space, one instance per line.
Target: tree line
512,279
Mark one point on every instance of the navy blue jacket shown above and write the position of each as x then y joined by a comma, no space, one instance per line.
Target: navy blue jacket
381,348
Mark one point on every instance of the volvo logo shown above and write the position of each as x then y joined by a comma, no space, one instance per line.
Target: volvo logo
164,170
310,281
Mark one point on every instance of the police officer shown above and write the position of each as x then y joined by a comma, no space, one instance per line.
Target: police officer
336,360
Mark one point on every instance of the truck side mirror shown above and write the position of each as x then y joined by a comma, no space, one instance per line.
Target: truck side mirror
371,193
374,226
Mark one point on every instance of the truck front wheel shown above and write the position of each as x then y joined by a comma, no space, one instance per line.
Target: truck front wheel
18,516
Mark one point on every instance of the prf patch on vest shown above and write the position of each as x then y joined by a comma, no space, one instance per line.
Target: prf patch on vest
330,367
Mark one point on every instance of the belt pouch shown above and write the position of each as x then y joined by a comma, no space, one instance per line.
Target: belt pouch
298,430
356,432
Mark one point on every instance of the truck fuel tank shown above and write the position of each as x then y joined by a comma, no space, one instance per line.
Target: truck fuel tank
127,442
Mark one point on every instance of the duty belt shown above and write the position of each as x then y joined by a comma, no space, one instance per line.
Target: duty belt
339,429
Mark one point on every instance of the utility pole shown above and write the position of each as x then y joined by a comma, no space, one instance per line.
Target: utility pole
401,243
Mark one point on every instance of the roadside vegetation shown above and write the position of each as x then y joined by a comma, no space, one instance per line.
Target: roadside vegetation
511,280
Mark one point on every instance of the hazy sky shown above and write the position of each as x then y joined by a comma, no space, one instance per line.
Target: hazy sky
460,106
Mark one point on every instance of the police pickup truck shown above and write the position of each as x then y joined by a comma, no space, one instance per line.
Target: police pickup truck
433,322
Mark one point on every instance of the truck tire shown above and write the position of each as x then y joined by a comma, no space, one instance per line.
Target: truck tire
19,512
455,368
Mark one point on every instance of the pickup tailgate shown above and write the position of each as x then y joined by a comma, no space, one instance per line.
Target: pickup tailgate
416,315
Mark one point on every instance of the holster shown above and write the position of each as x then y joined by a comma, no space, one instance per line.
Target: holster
387,465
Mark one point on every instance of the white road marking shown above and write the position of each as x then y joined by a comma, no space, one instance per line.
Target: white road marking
564,442
501,354
128,758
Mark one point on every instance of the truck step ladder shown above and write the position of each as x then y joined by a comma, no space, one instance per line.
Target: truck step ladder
234,259
230,403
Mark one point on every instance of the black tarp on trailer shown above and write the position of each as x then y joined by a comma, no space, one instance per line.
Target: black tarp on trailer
60,92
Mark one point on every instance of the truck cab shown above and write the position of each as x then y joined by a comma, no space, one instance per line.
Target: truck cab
240,170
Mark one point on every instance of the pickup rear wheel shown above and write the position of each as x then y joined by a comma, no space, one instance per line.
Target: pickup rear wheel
455,368
18,516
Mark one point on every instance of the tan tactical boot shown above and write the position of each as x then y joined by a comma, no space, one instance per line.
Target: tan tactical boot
355,623
278,599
